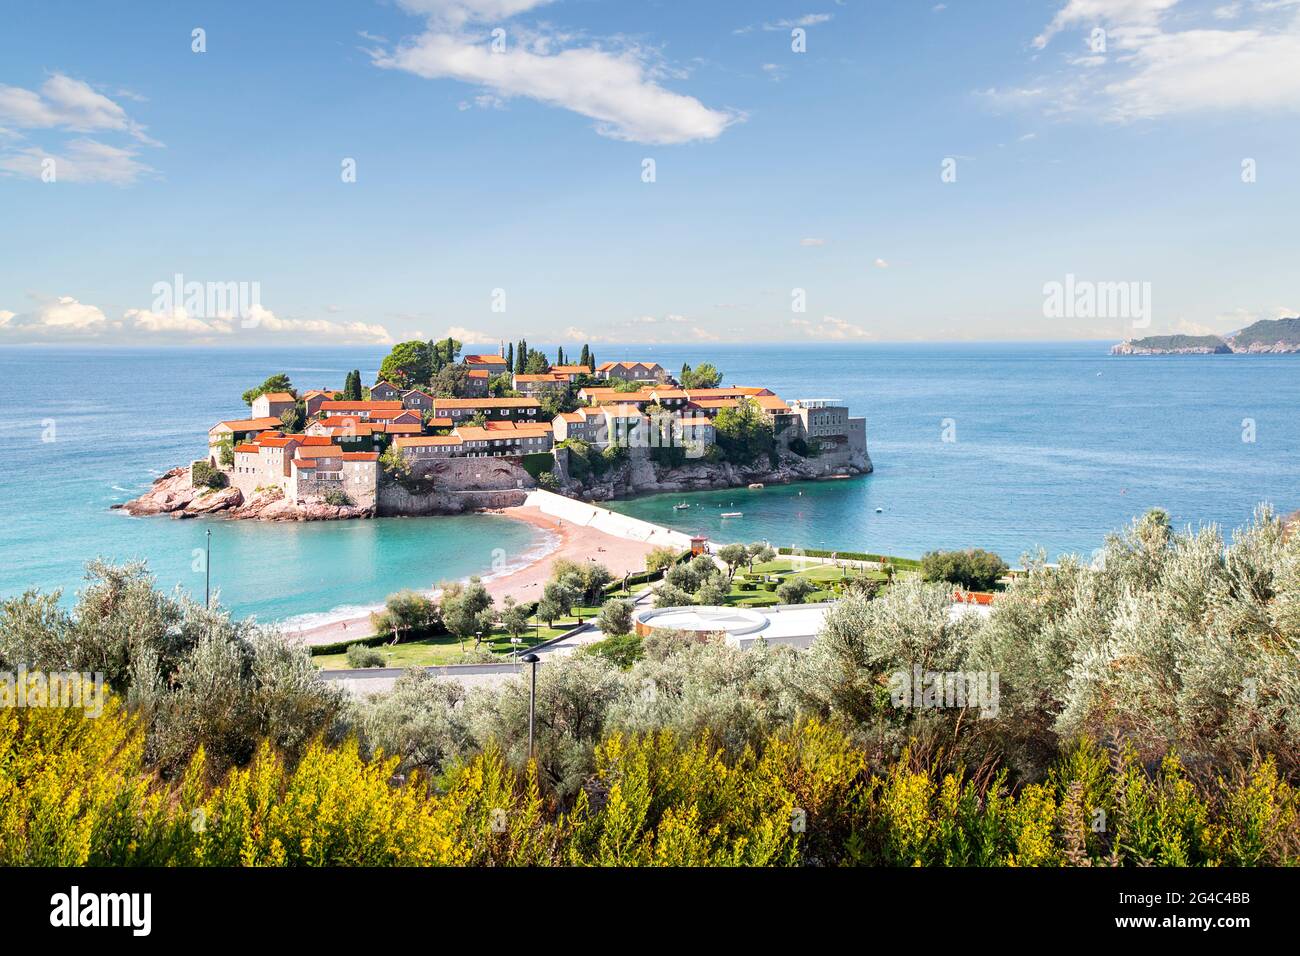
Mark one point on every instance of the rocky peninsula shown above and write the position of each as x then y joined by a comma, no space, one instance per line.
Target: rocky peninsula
1266,337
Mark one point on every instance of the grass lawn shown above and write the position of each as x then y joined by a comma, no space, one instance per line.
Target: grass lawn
445,649
822,575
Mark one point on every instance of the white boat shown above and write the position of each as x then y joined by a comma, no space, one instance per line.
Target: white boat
756,486
733,514
680,506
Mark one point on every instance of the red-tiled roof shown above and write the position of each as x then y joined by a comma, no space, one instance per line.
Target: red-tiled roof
361,456
248,424
319,451
332,406
247,450
426,440
278,396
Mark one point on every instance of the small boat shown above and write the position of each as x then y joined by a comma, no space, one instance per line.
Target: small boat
681,506
880,510
733,514
756,486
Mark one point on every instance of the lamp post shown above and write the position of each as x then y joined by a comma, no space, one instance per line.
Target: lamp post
207,569
534,660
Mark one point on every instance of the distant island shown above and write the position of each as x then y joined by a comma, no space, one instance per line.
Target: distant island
442,433
1265,337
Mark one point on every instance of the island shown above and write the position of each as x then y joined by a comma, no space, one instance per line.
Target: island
442,433
1267,336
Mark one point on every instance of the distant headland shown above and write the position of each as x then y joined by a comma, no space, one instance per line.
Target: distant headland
1265,337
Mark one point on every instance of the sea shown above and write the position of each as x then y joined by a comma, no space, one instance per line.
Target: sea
1013,447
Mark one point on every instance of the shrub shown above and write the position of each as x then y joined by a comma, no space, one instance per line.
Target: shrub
795,590
203,475
974,569
659,558
337,498
622,650
360,656
615,617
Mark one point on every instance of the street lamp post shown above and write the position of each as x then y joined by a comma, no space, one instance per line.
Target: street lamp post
533,660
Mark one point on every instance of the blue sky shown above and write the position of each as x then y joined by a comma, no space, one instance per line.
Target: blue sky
521,169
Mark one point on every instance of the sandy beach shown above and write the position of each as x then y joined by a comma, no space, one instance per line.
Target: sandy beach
575,542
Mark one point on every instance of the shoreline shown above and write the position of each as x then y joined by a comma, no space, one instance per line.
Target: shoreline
524,583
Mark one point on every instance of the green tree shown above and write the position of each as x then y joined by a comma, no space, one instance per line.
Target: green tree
521,357
795,590
537,363
744,433
662,557
759,553
467,610
276,383
408,365
584,358
450,381
352,387
733,556
974,569
514,616
510,358
702,376
615,617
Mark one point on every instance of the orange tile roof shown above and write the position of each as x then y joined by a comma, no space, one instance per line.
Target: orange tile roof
278,396
248,424
572,416
484,360
271,434
570,370
771,403
359,406
424,440
440,423
477,373
716,403
544,377
624,411
670,393
402,428
315,440
247,450
487,403
277,442
319,451
471,433
361,456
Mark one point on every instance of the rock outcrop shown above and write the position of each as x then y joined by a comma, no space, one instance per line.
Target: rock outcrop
173,494
1265,337
638,476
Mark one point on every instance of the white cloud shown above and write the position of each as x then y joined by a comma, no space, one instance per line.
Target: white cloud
881,264
1103,12
65,103
831,328
618,90
459,12
84,161
812,242
470,336
1159,64
66,319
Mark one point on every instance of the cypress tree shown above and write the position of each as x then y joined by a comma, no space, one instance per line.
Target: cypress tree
584,357
510,356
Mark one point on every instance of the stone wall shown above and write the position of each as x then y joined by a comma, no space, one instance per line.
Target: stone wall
474,474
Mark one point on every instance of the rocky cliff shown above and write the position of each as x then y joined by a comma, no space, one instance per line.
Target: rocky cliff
172,494
1268,336
640,476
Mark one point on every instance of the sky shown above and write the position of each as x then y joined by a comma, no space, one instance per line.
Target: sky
630,171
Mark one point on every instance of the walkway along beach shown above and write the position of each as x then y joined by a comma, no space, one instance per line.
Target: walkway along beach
580,531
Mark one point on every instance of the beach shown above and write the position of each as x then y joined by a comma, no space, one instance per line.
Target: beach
567,540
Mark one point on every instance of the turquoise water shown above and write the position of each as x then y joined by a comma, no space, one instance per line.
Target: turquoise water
122,418
1056,445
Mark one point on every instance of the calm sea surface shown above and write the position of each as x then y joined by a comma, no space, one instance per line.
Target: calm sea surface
1055,445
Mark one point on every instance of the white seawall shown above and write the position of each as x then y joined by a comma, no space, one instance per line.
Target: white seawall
588,515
